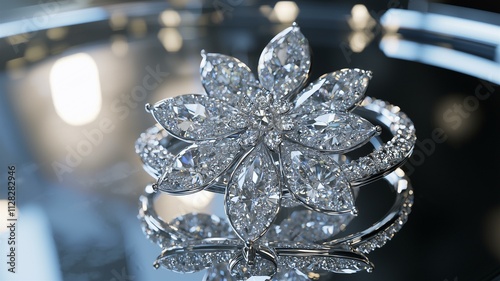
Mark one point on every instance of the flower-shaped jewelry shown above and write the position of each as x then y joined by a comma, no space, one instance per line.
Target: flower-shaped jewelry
266,137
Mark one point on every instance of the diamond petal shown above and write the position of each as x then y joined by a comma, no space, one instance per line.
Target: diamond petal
285,62
253,195
341,90
150,148
329,131
226,78
307,226
201,226
195,117
316,180
198,165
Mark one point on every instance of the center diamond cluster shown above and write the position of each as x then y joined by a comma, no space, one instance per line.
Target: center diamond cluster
267,120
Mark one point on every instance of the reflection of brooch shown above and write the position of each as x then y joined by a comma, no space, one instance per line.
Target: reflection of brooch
269,144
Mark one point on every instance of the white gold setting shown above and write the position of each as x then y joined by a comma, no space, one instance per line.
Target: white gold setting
269,143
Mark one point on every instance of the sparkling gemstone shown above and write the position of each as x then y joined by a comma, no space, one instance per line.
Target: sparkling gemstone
284,62
195,117
219,272
315,179
184,259
261,267
273,139
249,137
341,90
285,123
201,226
253,195
336,261
199,164
308,226
153,154
332,131
226,78
290,275
262,118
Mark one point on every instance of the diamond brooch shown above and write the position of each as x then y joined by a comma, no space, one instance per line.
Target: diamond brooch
272,144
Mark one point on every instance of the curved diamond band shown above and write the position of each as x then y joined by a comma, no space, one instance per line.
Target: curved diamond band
189,249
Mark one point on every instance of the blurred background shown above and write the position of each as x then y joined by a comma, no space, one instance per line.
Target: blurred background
75,75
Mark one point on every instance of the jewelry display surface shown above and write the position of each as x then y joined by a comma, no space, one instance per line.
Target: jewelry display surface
82,149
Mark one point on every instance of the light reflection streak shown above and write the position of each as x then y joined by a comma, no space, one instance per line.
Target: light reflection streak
442,57
396,19
61,19
393,45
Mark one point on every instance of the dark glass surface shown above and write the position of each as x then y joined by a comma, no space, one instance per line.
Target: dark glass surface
78,186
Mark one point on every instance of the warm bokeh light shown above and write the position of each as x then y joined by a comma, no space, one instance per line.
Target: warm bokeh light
35,52
57,33
171,39
361,18
76,89
361,23
285,11
170,18
358,41
138,27
119,45
118,21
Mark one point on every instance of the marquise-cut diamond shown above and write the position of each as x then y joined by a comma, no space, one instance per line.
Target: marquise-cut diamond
308,226
316,180
332,131
151,150
226,78
285,62
253,195
199,164
201,226
341,90
195,117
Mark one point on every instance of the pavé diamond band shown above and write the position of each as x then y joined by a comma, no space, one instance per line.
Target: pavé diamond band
272,143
